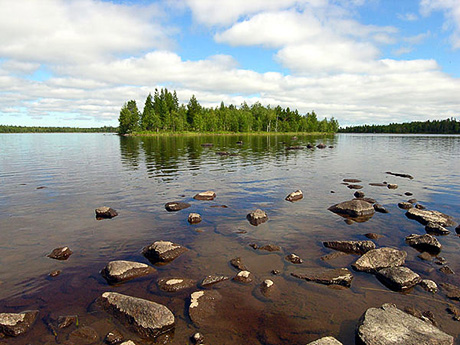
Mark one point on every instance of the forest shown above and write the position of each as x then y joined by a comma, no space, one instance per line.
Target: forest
447,126
163,113
29,129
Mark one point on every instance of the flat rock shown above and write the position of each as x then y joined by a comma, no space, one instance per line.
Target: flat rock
14,324
257,217
429,285
376,259
332,256
176,206
294,196
326,341
212,279
380,208
119,271
426,216
353,208
54,273
355,186
405,205
378,184
238,264
194,218
105,212
293,258
202,306
244,277
208,195
351,180
426,243
163,251
267,247
388,325
338,276
399,174
352,247
84,335
175,284
398,278
436,229
451,291
425,256
61,253
147,318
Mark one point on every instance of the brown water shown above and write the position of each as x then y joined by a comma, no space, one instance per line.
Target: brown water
137,176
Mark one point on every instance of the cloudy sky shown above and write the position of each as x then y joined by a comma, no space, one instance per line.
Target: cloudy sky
75,62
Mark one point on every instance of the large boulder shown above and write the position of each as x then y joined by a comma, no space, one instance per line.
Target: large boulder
119,271
376,259
14,324
147,318
326,341
208,195
257,217
352,247
425,243
388,325
202,306
338,276
426,216
176,206
163,251
353,208
398,278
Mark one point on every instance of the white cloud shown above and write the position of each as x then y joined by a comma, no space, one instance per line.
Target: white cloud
409,17
451,9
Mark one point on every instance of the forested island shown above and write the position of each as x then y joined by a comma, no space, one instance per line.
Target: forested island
163,113
447,126
34,129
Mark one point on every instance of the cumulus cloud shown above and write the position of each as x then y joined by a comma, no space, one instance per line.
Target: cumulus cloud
451,9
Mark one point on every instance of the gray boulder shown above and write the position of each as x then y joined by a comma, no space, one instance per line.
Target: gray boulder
388,325
426,243
119,271
14,324
353,247
202,306
163,251
398,278
257,217
376,259
326,341
353,208
147,318
426,216
337,276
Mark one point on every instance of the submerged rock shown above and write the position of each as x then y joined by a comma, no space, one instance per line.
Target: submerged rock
147,318
213,279
208,195
257,217
380,208
338,276
244,277
326,341
266,287
354,247
446,270
65,321
388,325
105,212
14,324
194,218
176,206
378,184
405,205
355,186
294,259
163,251
353,208
61,253
426,243
373,236
294,196
119,271
238,264
426,216
398,278
436,229
175,284
451,291
202,306
84,335
376,259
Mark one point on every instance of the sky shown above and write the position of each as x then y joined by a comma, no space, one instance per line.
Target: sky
76,62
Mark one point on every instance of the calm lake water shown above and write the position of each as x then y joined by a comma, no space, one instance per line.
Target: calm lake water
50,185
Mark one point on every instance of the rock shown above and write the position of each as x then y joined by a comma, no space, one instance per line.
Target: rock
420,207
321,146
202,306
270,248
128,342
61,253
257,217
208,195
351,180
326,341
294,196
213,279
176,206
243,277
358,194
429,285
147,318
294,148
355,186
425,256
376,259
412,201
454,311
398,278
354,208
457,229
429,316
14,324
197,338
175,284
446,270
119,271
105,212
380,208
294,259
427,243
388,325
440,260
194,218
392,186
332,256
84,335
54,273
276,272
310,146
238,264
405,205
266,287
353,247
369,200
377,184
400,175
451,291
436,229
425,216
66,321
163,251
338,276
373,236
408,193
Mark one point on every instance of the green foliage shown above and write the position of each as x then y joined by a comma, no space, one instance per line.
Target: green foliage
129,118
447,126
32,129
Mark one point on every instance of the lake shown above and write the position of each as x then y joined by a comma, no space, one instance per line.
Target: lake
50,185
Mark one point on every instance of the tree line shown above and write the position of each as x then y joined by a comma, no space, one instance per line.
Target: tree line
32,129
447,126
163,113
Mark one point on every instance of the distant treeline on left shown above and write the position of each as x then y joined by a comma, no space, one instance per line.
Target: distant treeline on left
27,129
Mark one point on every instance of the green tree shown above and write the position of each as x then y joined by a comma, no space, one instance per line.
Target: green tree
129,118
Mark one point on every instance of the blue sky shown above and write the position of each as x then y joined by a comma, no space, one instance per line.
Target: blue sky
75,62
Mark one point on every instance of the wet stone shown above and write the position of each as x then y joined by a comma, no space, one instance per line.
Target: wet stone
451,291
266,287
446,270
420,207
353,208
257,217
321,146
412,201
405,205
351,180
163,251
270,248
197,339
355,186
408,194
399,175
436,229
358,194
425,242
425,256
353,247
295,196
176,206
244,277
202,306
238,264
14,324
457,229
426,216
454,311
440,260
398,278
208,195
392,186
61,253
338,276
213,279
429,285
54,273
119,271
276,272
66,321
326,341
332,256
293,258
376,259
175,284
105,212
84,335
373,236
378,184
380,208
194,218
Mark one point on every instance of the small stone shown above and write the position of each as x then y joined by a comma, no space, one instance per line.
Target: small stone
321,146
105,212
114,337
429,285
451,291
446,270
392,186
355,186
378,184
202,306
420,207
61,253
413,311
425,242
119,271
213,279
412,201
326,341
254,246
243,277
295,196
128,342
208,195
197,338
428,315
359,194
176,206
399,175
14,324
440,260
175,284
265,287
257,217
351,180
436,229
270,248
66,321
194,218
54,273
294,259
276,272
380,208
163,251
84,335
405,205
373,236
408,194
238,264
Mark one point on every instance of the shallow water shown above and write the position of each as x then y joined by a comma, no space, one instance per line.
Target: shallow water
137,176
